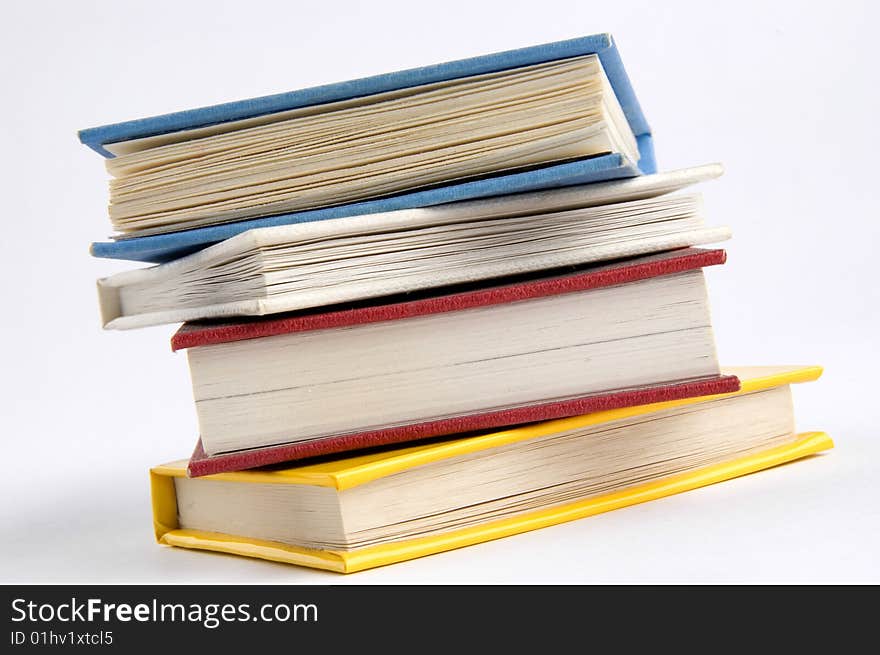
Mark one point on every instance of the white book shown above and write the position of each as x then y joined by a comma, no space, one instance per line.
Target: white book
296,267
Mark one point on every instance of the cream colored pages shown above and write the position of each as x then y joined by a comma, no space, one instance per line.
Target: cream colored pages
519,118
150,142
438,366
483,486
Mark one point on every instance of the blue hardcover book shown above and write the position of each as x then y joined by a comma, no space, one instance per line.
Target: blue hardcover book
160,247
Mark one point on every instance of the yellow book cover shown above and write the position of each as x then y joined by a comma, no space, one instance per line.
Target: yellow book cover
340,474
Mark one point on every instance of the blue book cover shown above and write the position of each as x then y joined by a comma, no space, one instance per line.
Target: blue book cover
164,247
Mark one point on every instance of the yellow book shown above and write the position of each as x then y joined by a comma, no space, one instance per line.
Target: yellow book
354,513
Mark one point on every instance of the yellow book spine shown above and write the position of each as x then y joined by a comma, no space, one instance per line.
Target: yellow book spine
168,532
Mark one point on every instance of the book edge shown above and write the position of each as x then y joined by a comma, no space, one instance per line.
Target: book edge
370,557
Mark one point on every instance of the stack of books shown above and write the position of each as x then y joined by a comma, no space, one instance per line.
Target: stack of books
430,308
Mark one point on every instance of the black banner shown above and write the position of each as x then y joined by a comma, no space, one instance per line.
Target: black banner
233,618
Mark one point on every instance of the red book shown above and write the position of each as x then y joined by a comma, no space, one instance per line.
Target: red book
262,386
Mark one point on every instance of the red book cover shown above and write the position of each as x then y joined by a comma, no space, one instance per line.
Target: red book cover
200,334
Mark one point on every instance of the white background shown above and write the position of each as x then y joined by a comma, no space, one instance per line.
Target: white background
785,95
